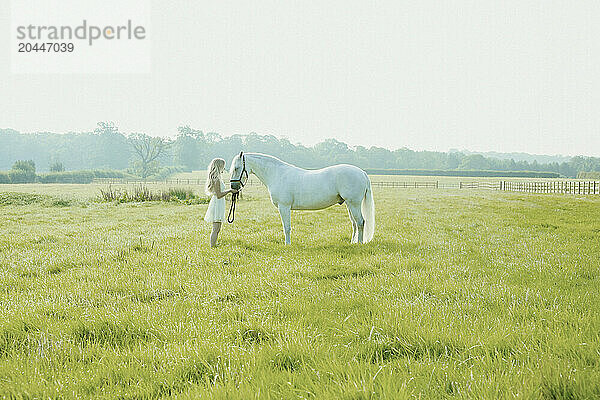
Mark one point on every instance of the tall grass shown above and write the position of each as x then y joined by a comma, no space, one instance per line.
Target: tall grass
460,295
143,193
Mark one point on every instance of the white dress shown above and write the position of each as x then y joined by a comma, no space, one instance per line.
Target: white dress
216,207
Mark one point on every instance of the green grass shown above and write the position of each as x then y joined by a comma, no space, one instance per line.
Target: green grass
461,294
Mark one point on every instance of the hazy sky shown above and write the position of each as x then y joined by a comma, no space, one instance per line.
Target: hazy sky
478,75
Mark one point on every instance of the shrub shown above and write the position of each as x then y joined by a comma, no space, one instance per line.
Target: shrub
182,194
80,176
4,177
67,177
21,176
110,173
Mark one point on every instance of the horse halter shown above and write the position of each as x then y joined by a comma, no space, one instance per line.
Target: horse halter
244,171
234,196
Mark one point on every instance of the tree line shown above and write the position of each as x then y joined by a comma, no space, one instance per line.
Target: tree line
107,148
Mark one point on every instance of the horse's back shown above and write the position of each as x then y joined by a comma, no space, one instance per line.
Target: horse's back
349,181
346,170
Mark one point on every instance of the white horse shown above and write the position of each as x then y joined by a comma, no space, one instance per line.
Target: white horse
293,188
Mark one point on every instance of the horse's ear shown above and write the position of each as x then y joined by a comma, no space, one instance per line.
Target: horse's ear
241,153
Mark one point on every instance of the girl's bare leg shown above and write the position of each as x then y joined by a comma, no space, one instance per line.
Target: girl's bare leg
215,233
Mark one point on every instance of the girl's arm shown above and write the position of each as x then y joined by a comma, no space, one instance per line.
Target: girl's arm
220,193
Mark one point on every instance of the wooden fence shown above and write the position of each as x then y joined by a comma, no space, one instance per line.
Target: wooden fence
563,187
566,187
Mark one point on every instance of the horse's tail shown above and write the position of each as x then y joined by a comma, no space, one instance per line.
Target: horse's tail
368,211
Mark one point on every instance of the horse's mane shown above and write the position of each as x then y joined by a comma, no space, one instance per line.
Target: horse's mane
269,158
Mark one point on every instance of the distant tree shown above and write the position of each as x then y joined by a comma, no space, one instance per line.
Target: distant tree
57,166
188,147
452,160
475,161
213,137
106,128
27,166
334,151
23,172
148,151
108,147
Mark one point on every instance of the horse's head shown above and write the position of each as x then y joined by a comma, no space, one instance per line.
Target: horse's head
238,172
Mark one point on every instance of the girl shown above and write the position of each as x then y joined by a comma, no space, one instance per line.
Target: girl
216,188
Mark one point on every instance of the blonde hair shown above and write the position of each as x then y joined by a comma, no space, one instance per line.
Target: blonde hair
216,166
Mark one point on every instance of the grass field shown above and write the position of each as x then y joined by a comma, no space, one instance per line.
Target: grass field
461,294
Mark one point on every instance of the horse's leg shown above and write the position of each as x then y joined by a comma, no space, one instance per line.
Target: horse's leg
358,218
354,238
286,221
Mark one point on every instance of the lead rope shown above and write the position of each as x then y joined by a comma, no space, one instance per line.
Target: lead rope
231,216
